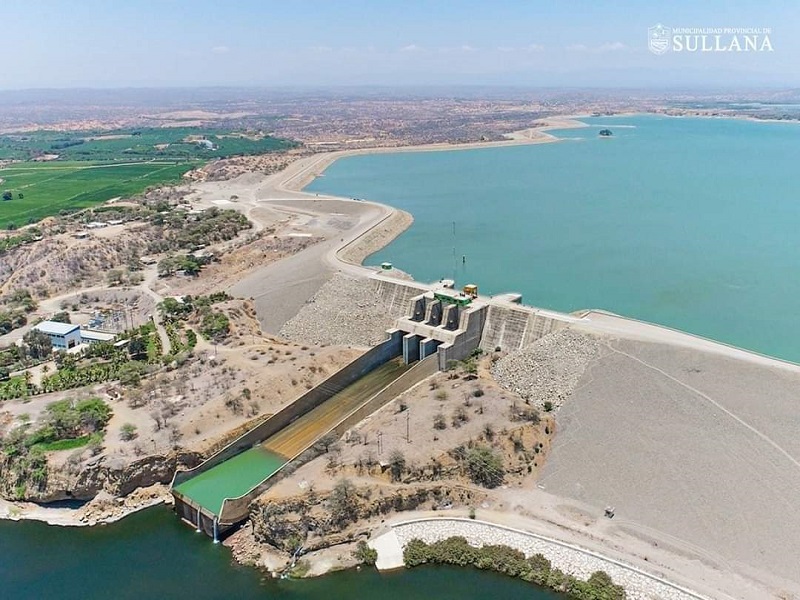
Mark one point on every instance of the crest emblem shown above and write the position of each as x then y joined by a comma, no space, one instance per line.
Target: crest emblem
658,39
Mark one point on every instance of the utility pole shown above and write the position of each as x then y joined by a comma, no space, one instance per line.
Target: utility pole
408,425
380,443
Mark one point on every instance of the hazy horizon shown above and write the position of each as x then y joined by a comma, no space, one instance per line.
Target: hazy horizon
177,44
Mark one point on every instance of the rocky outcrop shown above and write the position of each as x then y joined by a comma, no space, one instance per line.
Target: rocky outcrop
315,521
113,476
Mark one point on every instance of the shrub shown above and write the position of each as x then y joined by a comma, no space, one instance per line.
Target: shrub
127,432
439,422
460,416
484,466
364,554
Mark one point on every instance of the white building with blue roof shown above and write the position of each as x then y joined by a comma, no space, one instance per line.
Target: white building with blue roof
63,336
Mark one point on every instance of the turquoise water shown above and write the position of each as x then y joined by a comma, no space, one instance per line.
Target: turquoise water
690,223
232,478
152,555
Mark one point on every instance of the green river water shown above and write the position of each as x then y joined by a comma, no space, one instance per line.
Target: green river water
153,555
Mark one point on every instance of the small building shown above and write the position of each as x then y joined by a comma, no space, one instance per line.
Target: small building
447,296
93,337
63,336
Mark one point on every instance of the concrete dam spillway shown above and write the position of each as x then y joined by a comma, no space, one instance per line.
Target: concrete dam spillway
238,475
437,326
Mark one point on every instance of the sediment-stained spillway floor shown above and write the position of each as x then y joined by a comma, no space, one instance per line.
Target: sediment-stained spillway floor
241,473
300,434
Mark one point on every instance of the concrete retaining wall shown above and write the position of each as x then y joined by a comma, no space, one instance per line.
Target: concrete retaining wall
406,381
397,294
365,363
235,510
195,515
472,323
513,327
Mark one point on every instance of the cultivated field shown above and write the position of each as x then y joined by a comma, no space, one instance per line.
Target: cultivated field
42,189
165,143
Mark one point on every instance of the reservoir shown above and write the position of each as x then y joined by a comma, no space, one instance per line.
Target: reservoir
686,222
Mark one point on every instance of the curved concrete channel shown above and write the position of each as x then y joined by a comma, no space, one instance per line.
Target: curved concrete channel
215,495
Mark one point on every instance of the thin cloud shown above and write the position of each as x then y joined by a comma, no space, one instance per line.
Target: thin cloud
410,48
612,47
602,48
578,48
220,50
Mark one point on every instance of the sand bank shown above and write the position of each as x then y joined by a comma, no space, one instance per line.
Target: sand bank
304,171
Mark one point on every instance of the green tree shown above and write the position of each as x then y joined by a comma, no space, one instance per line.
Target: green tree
130,374
167,266
7,195
61,317
343,503
190,265
137,347
397,464
93,414
215,326
37,344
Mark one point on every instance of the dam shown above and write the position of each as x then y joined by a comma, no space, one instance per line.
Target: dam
435,325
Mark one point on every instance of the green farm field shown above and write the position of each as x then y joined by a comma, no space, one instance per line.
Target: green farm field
48,188
169,143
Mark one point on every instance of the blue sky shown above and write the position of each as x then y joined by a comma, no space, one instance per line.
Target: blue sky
110,43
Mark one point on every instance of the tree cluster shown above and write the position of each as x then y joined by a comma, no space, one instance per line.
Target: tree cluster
508,561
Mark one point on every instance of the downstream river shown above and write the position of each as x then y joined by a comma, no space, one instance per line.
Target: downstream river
151,554
686,222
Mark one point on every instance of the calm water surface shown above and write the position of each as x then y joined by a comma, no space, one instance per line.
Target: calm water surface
152,555
690,223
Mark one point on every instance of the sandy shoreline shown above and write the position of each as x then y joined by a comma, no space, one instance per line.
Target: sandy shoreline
533,135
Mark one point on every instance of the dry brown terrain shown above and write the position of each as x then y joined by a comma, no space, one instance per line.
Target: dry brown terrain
201,403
